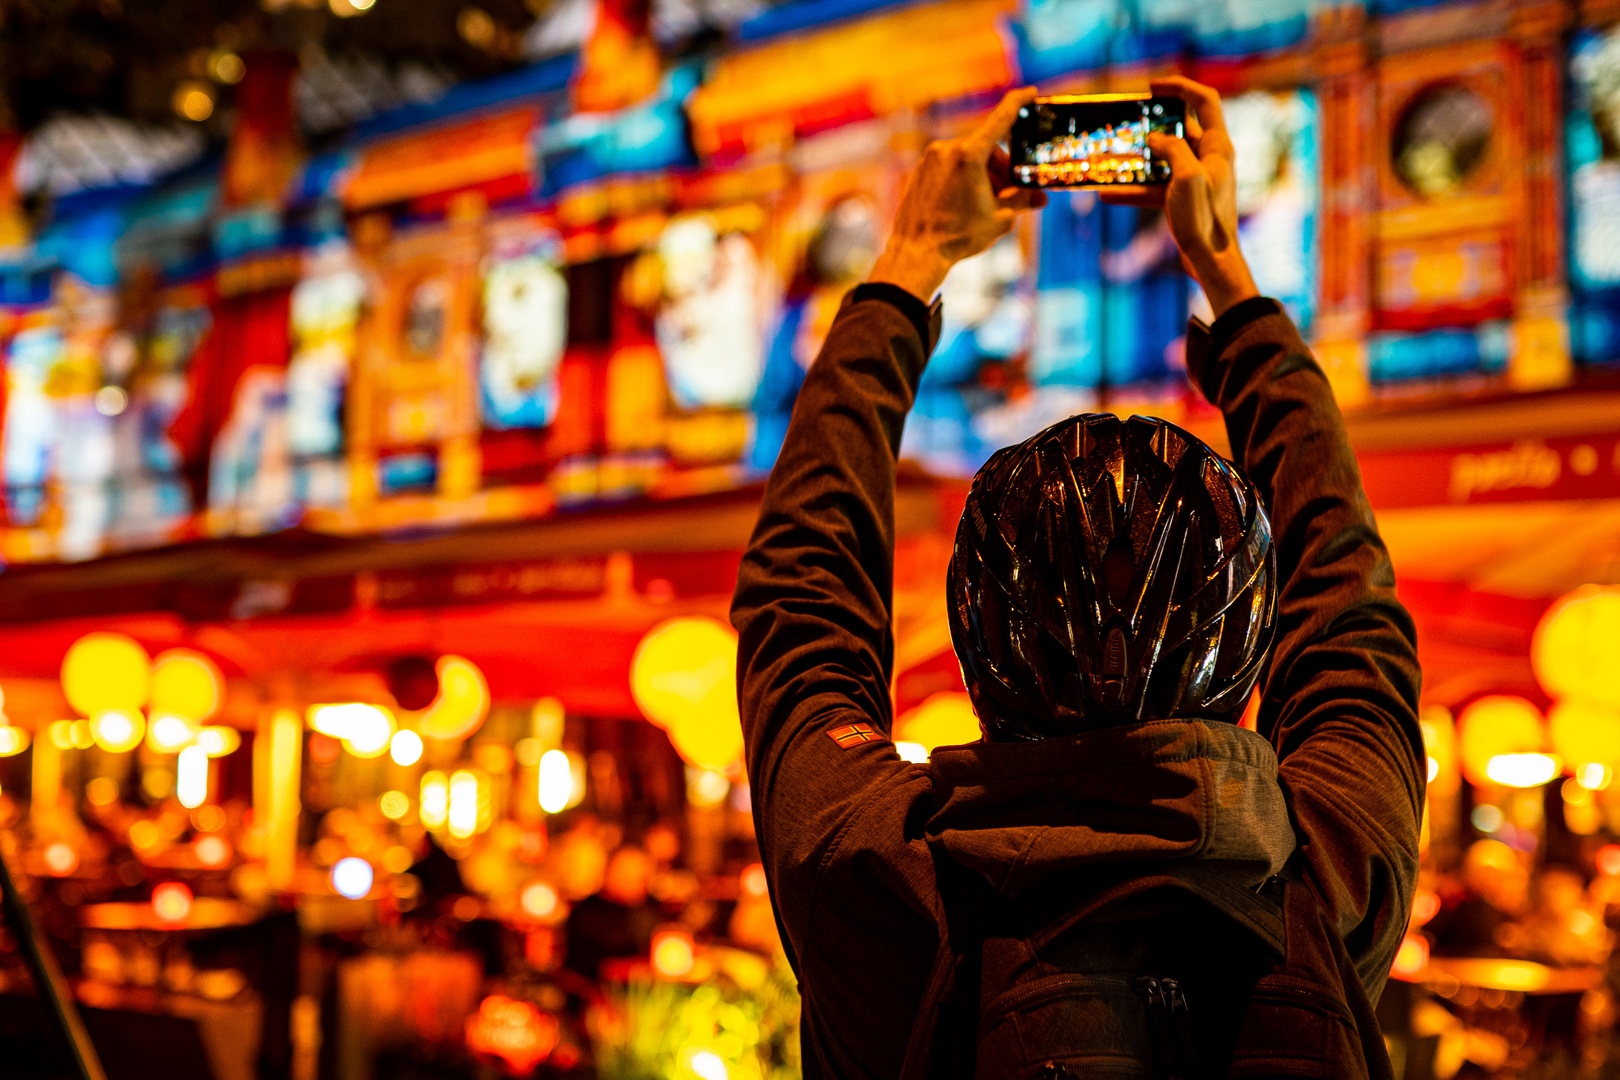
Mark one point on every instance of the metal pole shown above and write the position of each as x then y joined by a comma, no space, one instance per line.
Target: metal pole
52,987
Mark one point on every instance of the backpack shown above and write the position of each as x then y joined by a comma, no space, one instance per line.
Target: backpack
1129,973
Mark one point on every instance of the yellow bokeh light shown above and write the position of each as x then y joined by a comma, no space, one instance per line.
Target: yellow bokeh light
1576,648
118,730
684,679
433,806
104,670
186,683
169,733
394,805
1440,745
13,740
191,777
1585,733
193,101
1493,726
685,667
944,719
1523,770
218,741
405,748
461,703
673,954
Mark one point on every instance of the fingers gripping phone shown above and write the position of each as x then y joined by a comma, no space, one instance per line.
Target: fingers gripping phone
1094,141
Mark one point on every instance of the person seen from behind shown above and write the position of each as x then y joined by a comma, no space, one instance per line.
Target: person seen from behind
1118,880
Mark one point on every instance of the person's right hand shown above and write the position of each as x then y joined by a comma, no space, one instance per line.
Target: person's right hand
1200,202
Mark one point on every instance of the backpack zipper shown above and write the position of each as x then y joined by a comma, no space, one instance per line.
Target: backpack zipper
1158,1017
1180,1020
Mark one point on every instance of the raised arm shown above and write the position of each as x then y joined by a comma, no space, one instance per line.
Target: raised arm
1339,701
813,599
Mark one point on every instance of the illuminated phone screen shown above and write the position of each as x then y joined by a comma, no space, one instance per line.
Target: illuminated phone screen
1092,142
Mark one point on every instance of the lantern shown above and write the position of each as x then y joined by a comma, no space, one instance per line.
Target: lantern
684,679
1576,648
1585,733
105,671
1495,726
187,684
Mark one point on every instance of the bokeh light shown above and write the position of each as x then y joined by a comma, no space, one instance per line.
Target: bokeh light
539,900
118,731
394,805
104,670
13,740
943,719
212,850
1493,726
171,901
186,683
218,740
351,877
433,806
169,733
462,701
191,777
60,858
556,781
1585,732
673,954
685,668
1575,651
1522,770
405,747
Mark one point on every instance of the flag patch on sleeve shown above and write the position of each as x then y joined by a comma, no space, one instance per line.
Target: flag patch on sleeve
853,735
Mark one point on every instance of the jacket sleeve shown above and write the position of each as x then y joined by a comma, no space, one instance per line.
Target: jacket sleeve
838,814
1339,699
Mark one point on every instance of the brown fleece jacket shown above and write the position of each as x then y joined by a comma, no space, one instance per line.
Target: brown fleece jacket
844,824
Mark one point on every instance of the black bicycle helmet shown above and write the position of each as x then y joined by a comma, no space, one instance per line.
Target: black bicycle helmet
1110,572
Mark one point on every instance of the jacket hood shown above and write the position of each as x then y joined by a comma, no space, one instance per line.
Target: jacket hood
1159,792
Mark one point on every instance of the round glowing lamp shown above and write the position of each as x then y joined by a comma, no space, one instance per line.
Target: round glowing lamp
218,740
555,783
187,683
1495,726
1584,733
685,667
171,902
104,670
710,742
118,731
1575,651
351,877
462,701
943,719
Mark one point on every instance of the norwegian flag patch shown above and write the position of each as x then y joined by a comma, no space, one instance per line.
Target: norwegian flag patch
853,735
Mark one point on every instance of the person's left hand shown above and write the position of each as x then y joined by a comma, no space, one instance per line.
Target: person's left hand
958,201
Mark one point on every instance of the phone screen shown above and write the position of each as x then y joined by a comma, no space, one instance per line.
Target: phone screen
1092,142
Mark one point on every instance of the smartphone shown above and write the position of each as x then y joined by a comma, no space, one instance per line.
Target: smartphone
1092,141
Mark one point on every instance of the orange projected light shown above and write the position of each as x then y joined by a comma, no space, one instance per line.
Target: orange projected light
105,671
